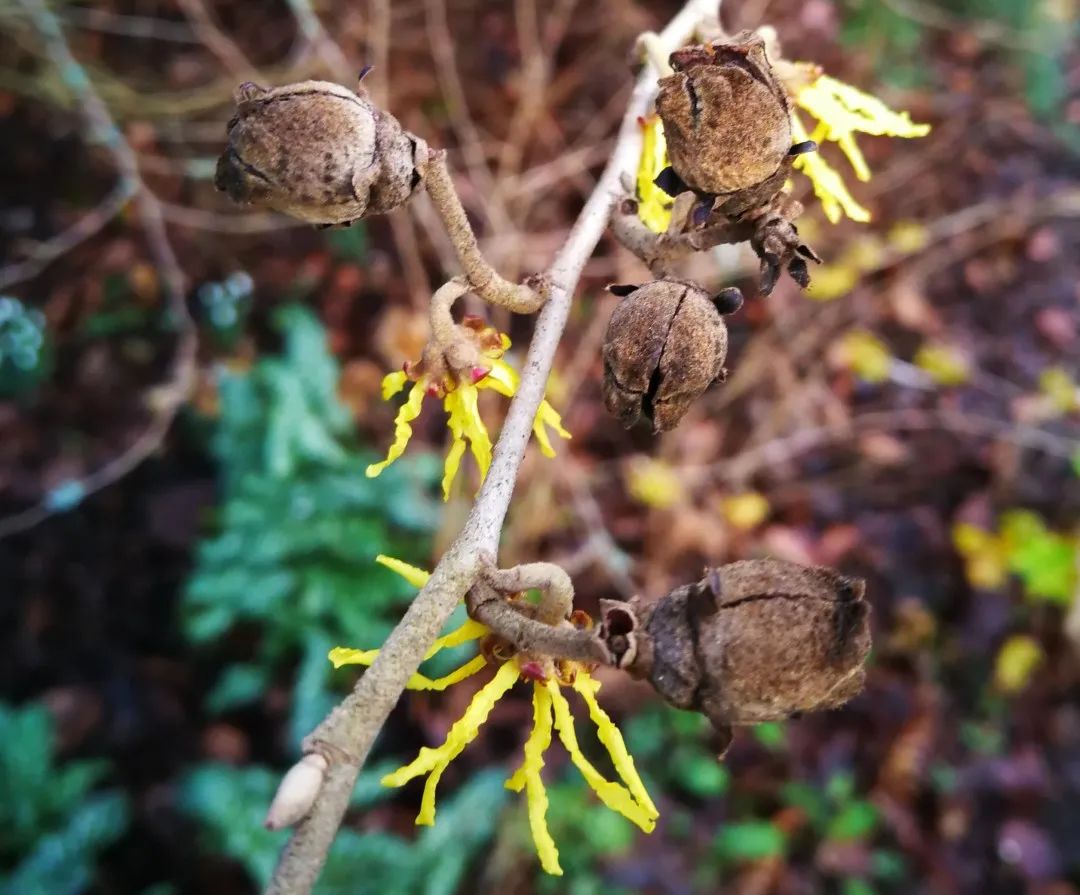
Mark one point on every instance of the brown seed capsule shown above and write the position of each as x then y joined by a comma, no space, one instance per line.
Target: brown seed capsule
725,115
665,344
319,152
753,641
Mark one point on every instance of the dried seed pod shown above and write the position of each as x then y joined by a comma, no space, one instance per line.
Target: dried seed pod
665,344
753,641
725,114
319,152
776,242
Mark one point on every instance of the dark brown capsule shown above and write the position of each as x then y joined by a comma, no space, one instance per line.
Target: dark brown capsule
753,641
725,114
665,344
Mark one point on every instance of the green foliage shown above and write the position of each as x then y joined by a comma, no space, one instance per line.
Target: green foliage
26,353
672,748
835,812
586,833
1032,37
749,840
348,243
49,820
230,804
300,525
1043,559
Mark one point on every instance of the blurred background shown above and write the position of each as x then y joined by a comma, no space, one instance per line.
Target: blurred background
174,571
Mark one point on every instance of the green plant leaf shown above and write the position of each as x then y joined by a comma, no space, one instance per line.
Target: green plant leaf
749,840
856,820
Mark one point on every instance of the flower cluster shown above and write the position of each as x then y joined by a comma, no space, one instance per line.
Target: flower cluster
841,112
551,713
460,396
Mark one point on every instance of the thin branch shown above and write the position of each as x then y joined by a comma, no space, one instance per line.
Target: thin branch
165,400
532,635
483,278
349,731
89,225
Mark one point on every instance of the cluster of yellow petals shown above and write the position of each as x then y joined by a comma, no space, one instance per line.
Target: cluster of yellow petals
460,397
841,111
551,713
654,205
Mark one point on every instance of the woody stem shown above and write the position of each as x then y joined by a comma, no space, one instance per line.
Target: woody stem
527,634
484,280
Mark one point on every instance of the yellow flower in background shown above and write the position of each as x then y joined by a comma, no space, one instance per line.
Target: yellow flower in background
866,355
654,205
986,555
745,511
841,111
654,483
1057,386
945,364
1016,661
460,396
551,712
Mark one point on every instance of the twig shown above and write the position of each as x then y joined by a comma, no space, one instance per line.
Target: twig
483,278
442,49
739,468
346,735
168,398
90,224
215,40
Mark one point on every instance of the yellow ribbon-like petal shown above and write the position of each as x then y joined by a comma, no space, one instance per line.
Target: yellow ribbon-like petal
469,630
845,110
409,411
614,795
415,576
452,464
612,739
465,424
828,185
393,383
528,777
504,379
341,655
434,761
654,205
547,416
842,111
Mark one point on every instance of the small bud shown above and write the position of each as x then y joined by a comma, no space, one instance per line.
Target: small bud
297,792
319,152
725,115
758,640
666,343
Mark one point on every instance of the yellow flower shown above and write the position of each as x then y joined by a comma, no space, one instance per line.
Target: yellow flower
551,712
865,354
841,111
654,205
945,364
1061,392
1016,662
986,555
746,510
460,396
654,483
